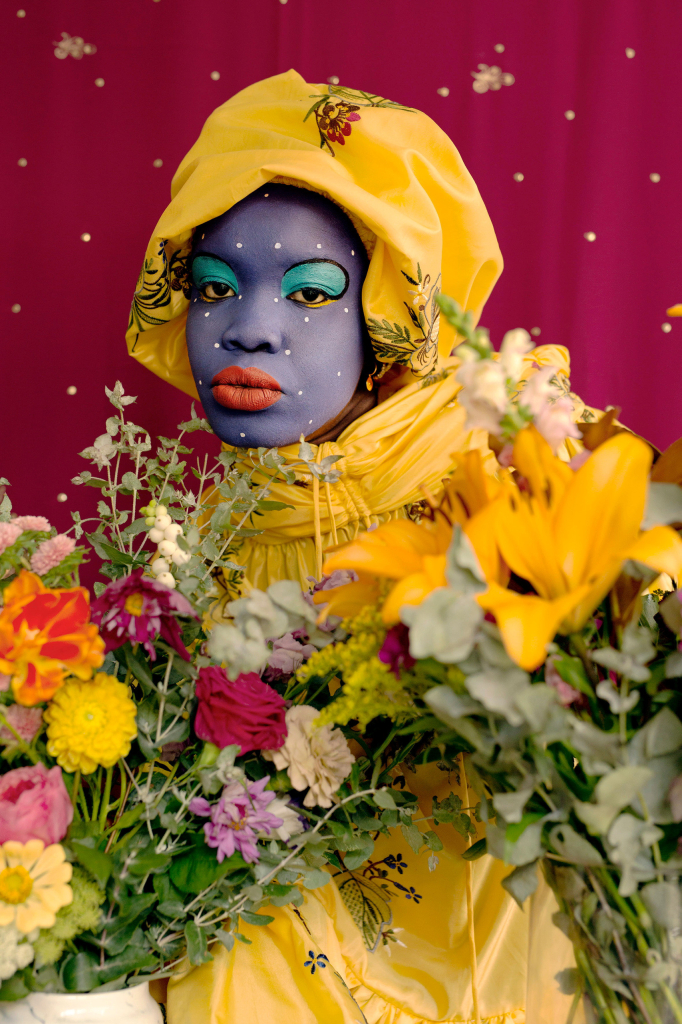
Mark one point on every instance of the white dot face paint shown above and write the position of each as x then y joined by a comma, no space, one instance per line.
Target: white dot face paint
242,435
276,300
207,314
346,309
300,392
201,382
266,195
203,236
239,245
338,374
278,245
287,351
319,245
216,345
307,319
309,422
352,252
239,297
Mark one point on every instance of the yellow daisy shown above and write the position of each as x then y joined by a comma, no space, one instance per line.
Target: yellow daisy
33,884
90,723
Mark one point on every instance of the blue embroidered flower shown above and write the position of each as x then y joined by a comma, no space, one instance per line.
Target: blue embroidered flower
396,861
315,961
410,893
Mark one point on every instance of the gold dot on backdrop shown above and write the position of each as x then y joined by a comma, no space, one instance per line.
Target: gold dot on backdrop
536,332
655,177
85,237
590,236
629,52
333,79
282,2
443,91
22,161
71,390
215,75
498,47
99,82
570,115
62,497
21,14
157,163
666,328
518,176
16,308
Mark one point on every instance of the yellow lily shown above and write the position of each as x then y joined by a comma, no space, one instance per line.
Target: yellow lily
414,554
568,536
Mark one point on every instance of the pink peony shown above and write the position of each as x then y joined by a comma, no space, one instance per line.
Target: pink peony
139,609
34,804
8,534
32,523
51,552
25,721
238,818
245,711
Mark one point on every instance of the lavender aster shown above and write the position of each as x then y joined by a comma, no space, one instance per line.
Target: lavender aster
238,818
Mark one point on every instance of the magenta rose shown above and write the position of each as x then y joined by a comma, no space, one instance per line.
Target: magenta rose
245,711
34,804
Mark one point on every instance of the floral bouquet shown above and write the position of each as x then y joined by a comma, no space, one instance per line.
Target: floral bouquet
165,776
534,629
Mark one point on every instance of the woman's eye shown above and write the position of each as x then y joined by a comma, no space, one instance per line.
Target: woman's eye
216,290
310,296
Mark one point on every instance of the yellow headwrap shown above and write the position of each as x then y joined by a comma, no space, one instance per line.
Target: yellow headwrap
389,166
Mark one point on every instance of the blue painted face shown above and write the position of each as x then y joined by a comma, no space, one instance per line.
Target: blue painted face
275,328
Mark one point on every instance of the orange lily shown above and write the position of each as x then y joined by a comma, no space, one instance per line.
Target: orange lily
414,554
45,635
569,536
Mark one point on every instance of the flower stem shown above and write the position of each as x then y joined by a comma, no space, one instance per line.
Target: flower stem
76,788
105,800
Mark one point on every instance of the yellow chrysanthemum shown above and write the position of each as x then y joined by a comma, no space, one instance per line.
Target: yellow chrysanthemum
33,884
91,723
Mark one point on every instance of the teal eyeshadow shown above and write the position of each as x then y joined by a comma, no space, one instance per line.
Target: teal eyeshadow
209,268
328,277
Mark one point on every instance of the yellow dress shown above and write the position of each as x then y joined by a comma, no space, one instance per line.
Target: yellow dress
463,947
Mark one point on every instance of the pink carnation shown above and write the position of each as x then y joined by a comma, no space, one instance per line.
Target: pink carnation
25,721
34,804
51,552
8,534
32,523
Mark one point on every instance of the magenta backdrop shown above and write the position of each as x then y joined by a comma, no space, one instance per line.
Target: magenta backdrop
82,137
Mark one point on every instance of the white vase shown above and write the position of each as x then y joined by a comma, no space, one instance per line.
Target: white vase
130,1005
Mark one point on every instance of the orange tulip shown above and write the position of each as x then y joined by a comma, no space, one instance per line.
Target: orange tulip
46,635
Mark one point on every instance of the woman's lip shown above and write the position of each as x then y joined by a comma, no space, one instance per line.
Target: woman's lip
245,388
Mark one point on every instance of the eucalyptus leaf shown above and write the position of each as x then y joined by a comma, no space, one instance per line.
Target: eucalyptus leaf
522,882
444,626
575,848
497,690
662,900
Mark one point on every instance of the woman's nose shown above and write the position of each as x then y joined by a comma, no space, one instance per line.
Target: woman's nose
257,325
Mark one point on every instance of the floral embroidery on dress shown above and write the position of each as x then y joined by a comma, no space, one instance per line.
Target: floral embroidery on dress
315,961
367,896
395,343
336,109
492,78
72,46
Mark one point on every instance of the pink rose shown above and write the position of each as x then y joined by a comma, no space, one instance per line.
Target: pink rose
25,721
247,711
34,804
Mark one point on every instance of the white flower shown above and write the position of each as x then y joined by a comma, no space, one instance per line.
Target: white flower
484,394
555,422
515,345
14,955
316,758
292,824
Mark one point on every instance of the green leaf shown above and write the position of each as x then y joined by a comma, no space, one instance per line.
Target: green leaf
358,856
197,946
258,919
116,556
226,938
80,972
433,841
148,863
130,816
138,669
315,879
99,864
413,837
130,481
273,506
522,882
132,959
476,850
195,870
384,799
14,988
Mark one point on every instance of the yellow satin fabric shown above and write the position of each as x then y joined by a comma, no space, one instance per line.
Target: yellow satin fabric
398,176
427,980
390,456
